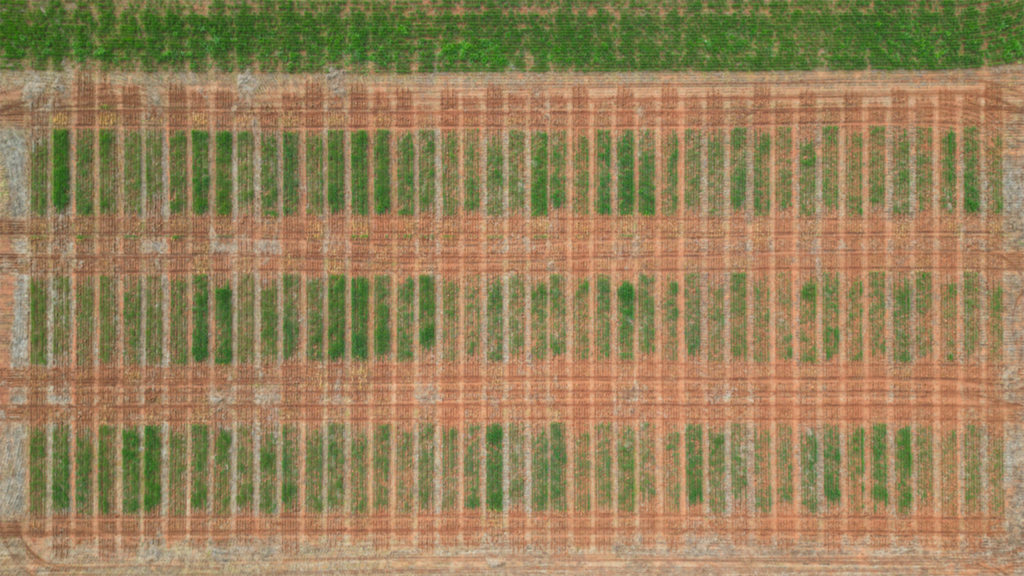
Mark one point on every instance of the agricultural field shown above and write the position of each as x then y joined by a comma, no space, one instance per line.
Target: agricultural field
721,286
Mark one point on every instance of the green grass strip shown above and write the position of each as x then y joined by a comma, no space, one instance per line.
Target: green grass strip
336,171
716,323
738,460
738,164
406,173
830,315
132,320
904,471
925,468
947,172
200,466
315,319
427,312
559,462
645,460
923,305
495,467
832,456
994,177
108,319
83,472
132,172
692,300
603,466
854,174
314,173
855,321
268,323
200,318
901,172
289,468
856,451
84,170
61,171
471,468
291,286
224,145
268,472
694,464
762,175
784,167
246,319
155,172
996,470
179,321
716,471
879,467
692,161
360,172
360,329
495,175
516,466
950,473
178,181
449,469
225,334
903,296
85,300
404,322
670,322
290,173
995,321
876,166
581,472
670,173
450,172
558,158
541,469
760,338
382,171
471,169
627,447
876,314
222,472
335,466
949,321
603,317
152,469
61,471
539,320
558,315
539,174
516,170
427,171
336,309
154,321
581,320
37,472
382,316
924,176
61,320
40,162
603,194
972,315
645,326
738,314
405,481
645,177
200,171
471,329
517,316
762,470
784,463
972,469
425,465
177,472
809,471
106,471
972,171
245,186
808,178
245,468
809,322
830,168
673,465
716,172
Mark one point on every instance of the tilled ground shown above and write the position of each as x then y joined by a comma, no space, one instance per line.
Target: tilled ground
494,314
